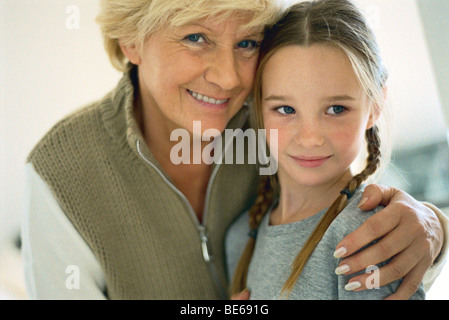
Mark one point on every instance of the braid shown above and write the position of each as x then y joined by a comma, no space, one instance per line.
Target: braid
262,203
265,196
373,161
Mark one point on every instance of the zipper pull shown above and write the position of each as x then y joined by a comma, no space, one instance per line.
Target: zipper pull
204,243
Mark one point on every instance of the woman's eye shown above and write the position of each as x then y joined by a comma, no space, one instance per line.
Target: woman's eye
248,44
196,38
285,110
334,110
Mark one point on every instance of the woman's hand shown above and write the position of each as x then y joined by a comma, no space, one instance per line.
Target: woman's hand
411,235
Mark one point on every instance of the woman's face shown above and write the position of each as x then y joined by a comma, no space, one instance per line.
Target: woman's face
315,101
202,71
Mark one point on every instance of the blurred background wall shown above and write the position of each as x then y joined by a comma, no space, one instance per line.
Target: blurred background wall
52,62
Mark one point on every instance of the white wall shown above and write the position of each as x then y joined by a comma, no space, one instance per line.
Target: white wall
48,71
412,85
435,19
2,118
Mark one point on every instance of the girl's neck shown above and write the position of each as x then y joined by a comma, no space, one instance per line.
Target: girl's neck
298,202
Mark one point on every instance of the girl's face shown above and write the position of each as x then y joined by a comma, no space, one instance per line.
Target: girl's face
203,71
313,98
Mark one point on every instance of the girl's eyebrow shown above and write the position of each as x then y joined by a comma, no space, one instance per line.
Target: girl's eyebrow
276,98
331,98
339,98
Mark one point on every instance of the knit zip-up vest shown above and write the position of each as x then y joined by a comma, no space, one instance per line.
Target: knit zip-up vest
141,229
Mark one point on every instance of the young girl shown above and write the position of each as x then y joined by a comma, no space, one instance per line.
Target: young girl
321,84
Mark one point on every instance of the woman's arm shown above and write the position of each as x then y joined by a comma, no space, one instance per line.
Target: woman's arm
437,267
58,264
412,236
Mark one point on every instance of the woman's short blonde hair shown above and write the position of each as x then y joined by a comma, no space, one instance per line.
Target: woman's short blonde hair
131,21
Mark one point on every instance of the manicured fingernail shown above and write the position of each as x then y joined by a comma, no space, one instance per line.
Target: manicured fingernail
362,202
342,269
353,285
340,252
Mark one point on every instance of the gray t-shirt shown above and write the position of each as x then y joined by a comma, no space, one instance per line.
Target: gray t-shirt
277,246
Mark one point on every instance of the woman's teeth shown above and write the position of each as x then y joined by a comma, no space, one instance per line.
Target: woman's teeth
207,99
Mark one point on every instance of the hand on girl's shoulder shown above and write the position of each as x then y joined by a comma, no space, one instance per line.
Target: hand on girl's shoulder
351,218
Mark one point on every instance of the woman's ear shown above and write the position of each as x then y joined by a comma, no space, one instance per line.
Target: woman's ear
131,52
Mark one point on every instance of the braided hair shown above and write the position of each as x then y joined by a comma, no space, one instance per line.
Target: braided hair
372,138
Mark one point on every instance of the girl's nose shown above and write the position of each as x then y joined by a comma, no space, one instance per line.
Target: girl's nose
309,134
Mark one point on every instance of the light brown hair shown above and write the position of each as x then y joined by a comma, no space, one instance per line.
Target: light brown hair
339,23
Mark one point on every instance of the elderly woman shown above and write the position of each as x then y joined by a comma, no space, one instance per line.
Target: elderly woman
111,216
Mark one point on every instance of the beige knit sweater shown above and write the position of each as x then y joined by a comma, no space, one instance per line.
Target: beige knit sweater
141,229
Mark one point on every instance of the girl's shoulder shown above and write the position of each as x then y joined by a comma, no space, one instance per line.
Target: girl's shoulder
352,217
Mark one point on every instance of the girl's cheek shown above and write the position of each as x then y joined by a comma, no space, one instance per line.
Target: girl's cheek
348,139
280,141
270,127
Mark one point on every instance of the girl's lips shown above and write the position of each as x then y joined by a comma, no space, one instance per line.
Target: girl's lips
310,162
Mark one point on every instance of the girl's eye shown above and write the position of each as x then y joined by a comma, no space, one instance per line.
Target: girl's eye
285,110
248,44
196,38
335,110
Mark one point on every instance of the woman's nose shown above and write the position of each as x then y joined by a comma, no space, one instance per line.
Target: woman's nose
223,70
309,134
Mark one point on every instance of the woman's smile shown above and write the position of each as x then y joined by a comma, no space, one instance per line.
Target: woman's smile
208,101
